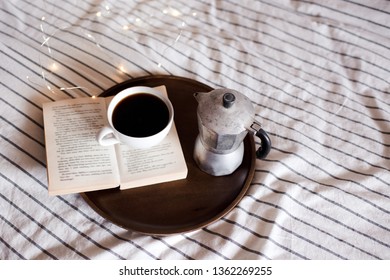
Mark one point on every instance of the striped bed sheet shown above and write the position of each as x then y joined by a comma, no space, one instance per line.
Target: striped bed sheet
317,73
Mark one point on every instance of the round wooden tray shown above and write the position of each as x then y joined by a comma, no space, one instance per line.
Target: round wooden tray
183,205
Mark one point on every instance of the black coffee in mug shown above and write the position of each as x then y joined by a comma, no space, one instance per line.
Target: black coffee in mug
140,115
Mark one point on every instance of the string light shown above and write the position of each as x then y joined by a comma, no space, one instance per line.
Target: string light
135,24
122,69
71,88
53,67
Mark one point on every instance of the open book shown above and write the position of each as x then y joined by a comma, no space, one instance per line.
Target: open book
77,163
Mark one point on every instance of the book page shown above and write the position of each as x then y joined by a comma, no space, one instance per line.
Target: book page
161,163
76,162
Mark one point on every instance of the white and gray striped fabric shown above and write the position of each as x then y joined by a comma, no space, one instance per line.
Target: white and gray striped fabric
318,73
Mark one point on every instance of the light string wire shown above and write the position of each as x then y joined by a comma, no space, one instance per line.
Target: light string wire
49,64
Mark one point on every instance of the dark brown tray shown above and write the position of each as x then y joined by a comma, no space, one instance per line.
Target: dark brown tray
183,205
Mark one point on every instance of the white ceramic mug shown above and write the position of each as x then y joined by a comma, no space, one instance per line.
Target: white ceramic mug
109,135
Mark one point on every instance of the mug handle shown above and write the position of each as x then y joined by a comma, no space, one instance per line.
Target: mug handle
106,137
265,147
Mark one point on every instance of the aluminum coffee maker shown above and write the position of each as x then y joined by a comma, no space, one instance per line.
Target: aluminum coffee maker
225,117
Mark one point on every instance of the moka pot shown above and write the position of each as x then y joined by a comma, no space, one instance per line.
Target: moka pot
225,117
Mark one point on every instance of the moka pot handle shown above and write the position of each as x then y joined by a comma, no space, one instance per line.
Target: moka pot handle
265,144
